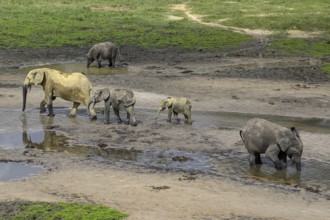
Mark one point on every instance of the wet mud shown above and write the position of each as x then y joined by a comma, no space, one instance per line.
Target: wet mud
78,160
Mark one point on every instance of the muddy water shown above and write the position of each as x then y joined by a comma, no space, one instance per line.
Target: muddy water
31,130
15,170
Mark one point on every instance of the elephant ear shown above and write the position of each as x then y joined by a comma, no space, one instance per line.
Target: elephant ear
39,77
283,139
129,98
168,102
104,94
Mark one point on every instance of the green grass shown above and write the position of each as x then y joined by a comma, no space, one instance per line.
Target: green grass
302,47
326,69
35,24
276,15
66,211
56,23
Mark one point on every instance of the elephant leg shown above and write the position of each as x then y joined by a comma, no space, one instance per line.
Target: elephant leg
98,60
257,158
74,109
169,114
272,153
175,114
131,116
187,115
50,109
110,62
89,62
117,114
282,156
42,106
252,159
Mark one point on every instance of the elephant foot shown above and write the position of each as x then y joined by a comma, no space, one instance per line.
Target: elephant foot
93,117
278,165
134,124
51,115
71,115
42,111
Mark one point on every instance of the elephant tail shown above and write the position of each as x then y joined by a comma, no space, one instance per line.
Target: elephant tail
241,134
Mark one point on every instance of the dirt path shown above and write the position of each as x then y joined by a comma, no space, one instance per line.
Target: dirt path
81,169
257,33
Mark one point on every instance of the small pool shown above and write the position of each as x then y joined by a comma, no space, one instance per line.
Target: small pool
18,170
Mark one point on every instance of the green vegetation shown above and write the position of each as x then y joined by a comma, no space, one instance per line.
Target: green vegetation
326,69
56,23
39,23
65,211
302,47
275,15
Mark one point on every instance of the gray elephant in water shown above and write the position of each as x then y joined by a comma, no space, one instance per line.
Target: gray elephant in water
176,106
276,142
105,51
118,99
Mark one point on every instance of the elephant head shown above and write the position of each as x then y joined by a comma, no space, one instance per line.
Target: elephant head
34,77
165,103
289,142
102,95
99,95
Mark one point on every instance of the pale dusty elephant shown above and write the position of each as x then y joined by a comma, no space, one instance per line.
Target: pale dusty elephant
106,51
276,142
74,87
118,99
176,106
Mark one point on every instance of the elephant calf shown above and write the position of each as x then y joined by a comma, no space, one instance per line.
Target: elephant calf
105,51
176,106
261,136
117,98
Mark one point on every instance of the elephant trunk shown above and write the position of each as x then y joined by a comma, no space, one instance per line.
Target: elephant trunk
133,121
297,162
159,110
91,101
25,90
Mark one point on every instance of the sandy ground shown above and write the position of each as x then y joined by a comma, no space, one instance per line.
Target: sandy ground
147,193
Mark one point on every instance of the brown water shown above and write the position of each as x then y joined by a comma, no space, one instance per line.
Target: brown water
31,130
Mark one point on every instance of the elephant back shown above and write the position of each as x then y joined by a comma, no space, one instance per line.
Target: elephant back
125,97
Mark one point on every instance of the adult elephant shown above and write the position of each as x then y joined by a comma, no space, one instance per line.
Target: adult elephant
276,142
74,87
105,51
176,106
118,99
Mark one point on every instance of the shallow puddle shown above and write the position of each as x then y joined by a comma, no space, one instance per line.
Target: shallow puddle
15,170
31,130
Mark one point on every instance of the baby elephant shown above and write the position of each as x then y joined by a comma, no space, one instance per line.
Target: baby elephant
277,142
176,106
118,98
106,51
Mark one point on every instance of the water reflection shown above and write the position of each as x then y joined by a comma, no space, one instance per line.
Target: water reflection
276,176
14,170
